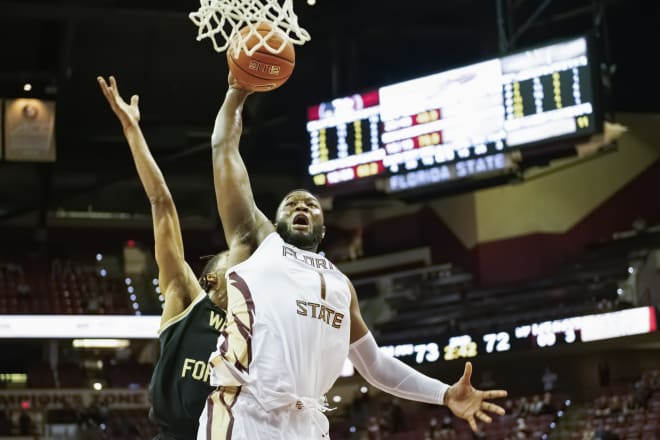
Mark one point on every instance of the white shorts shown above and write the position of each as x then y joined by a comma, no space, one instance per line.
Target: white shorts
234,415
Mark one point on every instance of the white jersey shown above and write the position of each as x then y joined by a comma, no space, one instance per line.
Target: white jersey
288,326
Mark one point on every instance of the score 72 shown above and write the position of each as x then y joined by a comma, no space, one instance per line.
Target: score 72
497,341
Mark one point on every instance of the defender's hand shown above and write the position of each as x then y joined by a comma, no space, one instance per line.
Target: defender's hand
128,114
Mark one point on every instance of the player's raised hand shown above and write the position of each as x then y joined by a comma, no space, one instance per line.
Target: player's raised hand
234,84
128,114
469,403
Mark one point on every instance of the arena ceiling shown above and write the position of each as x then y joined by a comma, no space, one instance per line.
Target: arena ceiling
60,46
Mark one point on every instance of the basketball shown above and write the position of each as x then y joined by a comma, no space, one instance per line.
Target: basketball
264,70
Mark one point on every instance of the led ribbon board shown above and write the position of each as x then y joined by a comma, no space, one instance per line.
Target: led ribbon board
79,326
539,335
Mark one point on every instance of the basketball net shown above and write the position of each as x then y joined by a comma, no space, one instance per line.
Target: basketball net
221,21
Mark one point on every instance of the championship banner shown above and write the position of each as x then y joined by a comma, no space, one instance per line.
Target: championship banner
29,130
57,399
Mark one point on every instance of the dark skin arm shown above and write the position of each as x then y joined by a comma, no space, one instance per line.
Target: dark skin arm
177,280
243,223
461,398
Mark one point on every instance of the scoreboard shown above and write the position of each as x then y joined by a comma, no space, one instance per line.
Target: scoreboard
344,136
458,116
533,336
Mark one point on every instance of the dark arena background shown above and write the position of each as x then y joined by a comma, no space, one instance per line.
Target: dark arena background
477,191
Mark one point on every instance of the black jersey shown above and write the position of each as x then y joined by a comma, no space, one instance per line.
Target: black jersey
180,381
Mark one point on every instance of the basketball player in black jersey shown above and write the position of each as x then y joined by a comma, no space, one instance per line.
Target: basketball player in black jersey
194,310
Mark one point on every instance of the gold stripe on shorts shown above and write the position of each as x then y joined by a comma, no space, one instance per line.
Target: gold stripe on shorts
220,420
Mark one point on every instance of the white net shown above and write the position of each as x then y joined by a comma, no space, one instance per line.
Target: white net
221,21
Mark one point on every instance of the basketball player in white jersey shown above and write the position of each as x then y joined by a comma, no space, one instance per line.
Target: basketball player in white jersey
293,318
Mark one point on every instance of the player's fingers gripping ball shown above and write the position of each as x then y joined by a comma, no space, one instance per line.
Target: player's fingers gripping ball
264,70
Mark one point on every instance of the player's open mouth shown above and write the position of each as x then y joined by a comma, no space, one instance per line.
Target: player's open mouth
300,220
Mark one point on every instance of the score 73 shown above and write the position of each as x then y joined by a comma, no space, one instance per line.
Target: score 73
497,341
427,352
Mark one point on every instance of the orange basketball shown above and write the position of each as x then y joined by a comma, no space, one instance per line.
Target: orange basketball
264,70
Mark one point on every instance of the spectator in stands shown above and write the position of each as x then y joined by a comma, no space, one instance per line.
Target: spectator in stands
374,429
194,309
605,434
359,410
521,430
521,407
441,430
16,280
547,407
393,415
93,306
447,431
509,406
96,413
5,423
549,380
24,423
604,305
641,394
478,435
588,431
601,407
654,380
432,429
614,405
628,403
88,429
128,431
535,405
23,289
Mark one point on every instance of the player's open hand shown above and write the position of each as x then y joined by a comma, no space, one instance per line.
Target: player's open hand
128,114
469,403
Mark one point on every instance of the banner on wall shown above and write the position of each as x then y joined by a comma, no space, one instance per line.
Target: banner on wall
29,130
53,399
79,326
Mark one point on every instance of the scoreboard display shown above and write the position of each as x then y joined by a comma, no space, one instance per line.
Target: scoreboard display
534,336
407,131
345,139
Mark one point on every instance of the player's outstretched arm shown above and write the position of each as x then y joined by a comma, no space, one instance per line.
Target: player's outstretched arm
243,223
471,404
393,376
177,280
